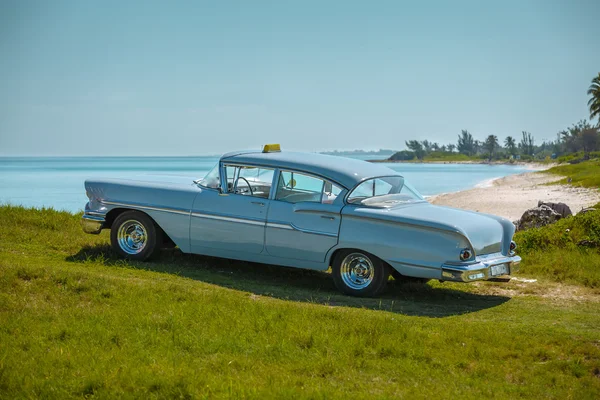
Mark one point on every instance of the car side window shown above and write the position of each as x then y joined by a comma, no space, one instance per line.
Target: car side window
294,187
330,192
211,180
249,180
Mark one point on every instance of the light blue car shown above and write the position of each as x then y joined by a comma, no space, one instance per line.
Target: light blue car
309,211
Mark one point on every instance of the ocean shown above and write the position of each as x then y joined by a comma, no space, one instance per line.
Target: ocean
58,181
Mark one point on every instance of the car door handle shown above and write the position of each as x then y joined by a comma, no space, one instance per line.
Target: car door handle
328,217
258,203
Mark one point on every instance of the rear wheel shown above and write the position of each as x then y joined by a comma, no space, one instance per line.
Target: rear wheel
135,236
358,273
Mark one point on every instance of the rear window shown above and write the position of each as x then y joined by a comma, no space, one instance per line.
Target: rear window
385,191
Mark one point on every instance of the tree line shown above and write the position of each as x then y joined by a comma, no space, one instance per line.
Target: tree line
582,136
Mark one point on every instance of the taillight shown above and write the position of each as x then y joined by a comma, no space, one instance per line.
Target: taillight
466,254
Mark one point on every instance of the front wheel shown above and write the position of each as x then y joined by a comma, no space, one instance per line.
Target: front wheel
135,236
358,273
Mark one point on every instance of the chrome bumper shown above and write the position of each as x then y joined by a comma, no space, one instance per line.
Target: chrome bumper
92,223
481,270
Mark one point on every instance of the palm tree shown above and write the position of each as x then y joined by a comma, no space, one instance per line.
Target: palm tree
491,143
526,144
465,143
594,102
511,145
416,147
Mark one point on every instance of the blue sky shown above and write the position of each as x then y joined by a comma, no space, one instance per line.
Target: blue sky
192,78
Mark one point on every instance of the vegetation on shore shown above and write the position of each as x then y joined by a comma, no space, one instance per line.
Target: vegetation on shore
75,321
584,174
582,136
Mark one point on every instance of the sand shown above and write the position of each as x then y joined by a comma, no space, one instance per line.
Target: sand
510,196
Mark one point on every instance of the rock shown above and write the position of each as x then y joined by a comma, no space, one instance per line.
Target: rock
538,217
585,210
560,208
587,243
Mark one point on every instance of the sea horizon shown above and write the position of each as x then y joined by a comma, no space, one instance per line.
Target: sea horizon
58,182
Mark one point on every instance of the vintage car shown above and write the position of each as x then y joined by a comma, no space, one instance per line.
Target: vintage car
309,211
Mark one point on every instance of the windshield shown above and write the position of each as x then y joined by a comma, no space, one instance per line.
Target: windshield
211,180
385,191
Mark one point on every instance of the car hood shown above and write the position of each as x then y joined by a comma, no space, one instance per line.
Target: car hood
486,233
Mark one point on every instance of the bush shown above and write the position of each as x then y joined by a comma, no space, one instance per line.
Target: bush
403,155
577,156
565,234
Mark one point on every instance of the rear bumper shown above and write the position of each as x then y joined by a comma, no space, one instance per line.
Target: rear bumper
92,223
483,269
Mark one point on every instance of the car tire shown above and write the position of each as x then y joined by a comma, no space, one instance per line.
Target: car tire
358,273
401,278
135,236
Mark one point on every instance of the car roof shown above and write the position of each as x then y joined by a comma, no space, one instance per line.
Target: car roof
346,171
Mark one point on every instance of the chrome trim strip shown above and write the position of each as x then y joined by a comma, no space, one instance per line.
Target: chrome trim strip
229,219
95,213
279,226
93,218
291,226
313,232
142,207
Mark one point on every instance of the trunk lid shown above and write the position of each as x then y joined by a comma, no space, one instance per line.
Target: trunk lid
485,232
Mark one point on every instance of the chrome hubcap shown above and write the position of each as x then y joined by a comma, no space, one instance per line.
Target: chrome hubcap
357,271
132,237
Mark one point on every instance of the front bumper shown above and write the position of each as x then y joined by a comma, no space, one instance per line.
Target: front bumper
92,223
484,268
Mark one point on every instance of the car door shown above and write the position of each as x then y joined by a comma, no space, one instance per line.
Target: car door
304,217
233,219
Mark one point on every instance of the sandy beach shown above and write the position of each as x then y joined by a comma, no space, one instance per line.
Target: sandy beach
510,196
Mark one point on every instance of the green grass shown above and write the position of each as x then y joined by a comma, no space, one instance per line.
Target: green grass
75,321
584,174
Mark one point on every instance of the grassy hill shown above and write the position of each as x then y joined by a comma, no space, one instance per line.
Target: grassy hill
584,174
77,322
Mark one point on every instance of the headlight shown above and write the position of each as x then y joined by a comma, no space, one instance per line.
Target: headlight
466,254
513,247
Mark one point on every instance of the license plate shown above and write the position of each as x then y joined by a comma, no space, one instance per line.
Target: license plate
500,269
